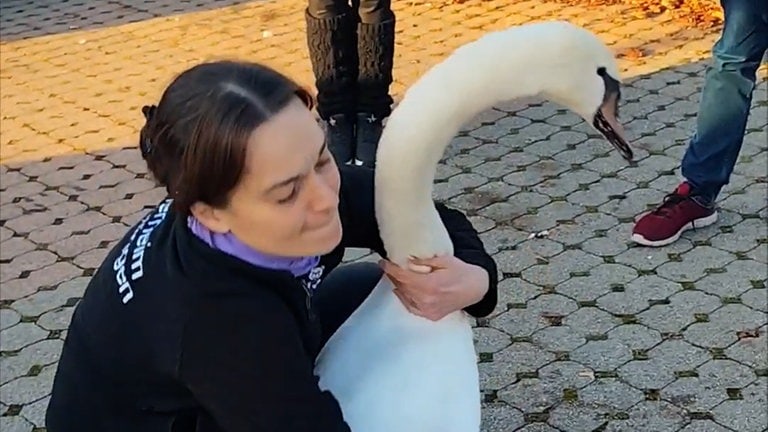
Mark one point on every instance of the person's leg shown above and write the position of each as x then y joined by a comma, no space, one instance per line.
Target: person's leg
726,98
376,50
721,122
332,43
342,292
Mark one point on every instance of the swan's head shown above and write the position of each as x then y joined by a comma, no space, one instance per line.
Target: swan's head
605,119
584,77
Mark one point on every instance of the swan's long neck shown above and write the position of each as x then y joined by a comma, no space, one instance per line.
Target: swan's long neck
474,78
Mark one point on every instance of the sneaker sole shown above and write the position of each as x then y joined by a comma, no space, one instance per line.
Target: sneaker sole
696,223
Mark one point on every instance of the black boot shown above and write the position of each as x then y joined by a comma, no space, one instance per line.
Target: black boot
332,44
376,50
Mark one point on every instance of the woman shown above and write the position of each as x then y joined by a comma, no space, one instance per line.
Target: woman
351,49
209,314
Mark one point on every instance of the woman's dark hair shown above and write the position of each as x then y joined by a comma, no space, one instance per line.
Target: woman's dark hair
195,140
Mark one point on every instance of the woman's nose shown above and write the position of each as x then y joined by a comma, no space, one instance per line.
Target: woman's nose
324,195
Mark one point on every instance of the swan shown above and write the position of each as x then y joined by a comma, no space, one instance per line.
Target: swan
393,371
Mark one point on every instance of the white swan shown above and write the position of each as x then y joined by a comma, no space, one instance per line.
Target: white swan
392,371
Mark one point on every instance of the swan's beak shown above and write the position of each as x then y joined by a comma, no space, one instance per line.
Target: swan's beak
607,123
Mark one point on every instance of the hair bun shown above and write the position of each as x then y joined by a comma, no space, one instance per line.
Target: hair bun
145,144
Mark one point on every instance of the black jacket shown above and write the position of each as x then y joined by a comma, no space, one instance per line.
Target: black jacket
174,336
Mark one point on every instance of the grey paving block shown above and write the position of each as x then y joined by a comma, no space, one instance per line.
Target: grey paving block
567,374
680,311
591,321
637,295
15,424
747,414
43,301
647,374
35,412
21,335
602,355
578,416
537,427
726,374
500,417
678,354
724,284
756,299
704,426
8,318
654,416
39,354
696,263
489,340
694,394
531,395
560,338
723,325
752,352
610,393
635,336
25,390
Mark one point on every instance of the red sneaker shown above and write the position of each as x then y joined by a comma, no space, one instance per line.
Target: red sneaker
676,215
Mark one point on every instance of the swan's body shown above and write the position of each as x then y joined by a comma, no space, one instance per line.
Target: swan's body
392,371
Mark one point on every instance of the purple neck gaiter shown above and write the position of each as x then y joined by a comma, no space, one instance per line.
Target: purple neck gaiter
229,244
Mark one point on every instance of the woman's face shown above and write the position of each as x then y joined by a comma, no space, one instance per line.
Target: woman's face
286,203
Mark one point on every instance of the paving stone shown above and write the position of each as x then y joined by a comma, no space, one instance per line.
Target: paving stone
638,295
13,247
44,301
602,355
658,416
694,394
678,354
500,417
537,427
41,353
15,424
567,374
724,284
723,325
704,426
25,390
756,299
647,374
752,352
8,318
515,359
635,336
531,395
726,373
578,416
35,412
590,321
747,414
695,264
558,338
610,393
680,311
489,340
21,335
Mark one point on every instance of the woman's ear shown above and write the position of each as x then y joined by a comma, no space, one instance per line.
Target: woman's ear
212,218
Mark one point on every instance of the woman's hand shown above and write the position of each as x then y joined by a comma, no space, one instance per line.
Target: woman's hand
435,287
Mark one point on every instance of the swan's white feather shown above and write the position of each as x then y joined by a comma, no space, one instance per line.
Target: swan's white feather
392,371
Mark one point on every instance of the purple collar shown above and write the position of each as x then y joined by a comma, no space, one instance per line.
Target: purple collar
229,244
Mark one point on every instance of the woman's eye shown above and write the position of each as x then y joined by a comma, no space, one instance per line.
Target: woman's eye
322,163
294,193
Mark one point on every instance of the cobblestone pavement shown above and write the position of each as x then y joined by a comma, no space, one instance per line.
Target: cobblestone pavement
591,333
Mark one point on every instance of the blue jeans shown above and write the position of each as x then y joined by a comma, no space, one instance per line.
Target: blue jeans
726,98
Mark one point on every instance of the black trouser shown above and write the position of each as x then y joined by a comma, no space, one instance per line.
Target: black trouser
342,292
351,47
